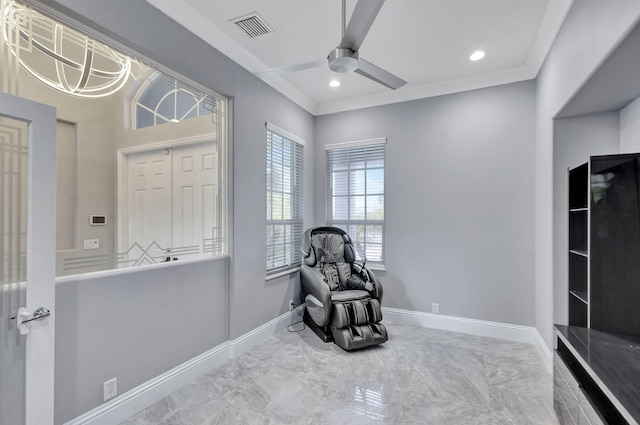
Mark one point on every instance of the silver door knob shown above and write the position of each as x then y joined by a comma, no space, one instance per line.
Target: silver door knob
24,317
39,314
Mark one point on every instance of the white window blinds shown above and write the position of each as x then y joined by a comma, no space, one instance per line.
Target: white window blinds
355,188
285,153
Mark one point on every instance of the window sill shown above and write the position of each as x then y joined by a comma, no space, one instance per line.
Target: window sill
136,269
377,267
282,273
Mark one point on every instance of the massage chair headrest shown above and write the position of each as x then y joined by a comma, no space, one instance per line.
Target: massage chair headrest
328,245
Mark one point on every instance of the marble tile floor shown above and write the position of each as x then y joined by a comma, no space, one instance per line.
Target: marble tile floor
420,376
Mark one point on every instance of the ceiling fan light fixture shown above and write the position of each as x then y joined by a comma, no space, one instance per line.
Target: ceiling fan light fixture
477,55
343,60
334,83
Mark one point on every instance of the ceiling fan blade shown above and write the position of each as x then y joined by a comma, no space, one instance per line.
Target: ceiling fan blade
361,20
292,68
379,75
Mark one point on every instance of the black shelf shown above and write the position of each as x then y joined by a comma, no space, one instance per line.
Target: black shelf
578,311
578,266
578,230
578,187
579,245
582,296
604,244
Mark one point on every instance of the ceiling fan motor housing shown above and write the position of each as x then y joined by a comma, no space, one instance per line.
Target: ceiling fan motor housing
343,60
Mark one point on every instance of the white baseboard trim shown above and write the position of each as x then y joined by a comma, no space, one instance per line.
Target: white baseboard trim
128,404
262,333
152,391
518,333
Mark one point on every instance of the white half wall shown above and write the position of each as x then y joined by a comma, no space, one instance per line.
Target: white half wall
134,324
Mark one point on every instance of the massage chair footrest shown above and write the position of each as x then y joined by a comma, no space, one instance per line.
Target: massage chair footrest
359,336
355,324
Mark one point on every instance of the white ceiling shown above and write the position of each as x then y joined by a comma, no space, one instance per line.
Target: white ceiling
425,42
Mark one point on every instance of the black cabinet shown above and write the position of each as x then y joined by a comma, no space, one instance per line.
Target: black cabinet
579,246
615,244
604,244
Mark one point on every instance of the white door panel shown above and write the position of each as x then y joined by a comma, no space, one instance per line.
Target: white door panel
173,197
195,192
27,205
149,206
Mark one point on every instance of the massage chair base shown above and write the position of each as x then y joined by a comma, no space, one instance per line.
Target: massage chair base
323,332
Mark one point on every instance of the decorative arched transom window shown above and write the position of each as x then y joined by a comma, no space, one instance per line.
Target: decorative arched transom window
162,100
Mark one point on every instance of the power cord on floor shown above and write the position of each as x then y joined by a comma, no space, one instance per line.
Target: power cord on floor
290,327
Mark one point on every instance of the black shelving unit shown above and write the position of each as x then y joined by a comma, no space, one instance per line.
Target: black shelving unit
614,244
604,244
579,246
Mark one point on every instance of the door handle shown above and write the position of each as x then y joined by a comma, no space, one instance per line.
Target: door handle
24,317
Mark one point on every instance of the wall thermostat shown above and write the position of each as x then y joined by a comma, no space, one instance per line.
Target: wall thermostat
98,220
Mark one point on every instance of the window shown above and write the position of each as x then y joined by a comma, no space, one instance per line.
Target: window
355,188
158,184
164,100
284,199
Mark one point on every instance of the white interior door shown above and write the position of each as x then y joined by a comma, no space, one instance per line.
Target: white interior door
172,201
195,194
150,206
27,258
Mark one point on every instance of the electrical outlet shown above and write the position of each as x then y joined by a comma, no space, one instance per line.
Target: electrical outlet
110,388
291,305
435,308
91,243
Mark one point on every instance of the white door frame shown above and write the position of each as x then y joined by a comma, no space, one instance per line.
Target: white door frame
122,161
41,250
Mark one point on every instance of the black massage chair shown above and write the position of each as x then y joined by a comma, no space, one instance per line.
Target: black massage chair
342,297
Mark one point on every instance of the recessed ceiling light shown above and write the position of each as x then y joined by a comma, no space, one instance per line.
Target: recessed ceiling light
477,55
334,83
174,120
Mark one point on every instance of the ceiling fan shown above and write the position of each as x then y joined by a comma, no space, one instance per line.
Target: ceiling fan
345,57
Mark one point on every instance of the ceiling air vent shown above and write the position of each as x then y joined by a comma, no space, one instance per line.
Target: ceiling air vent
253,25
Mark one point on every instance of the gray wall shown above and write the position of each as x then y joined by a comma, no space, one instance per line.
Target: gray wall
459,205
253,300
630,128
134,326
590,32
474,167
574,141
142,27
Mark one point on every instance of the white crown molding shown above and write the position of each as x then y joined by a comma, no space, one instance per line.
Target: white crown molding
415,92
187,16
553,19
184,14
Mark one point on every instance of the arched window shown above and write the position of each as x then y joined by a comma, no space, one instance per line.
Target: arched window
163,100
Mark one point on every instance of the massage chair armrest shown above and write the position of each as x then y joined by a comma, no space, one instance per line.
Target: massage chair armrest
377,285
312,283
